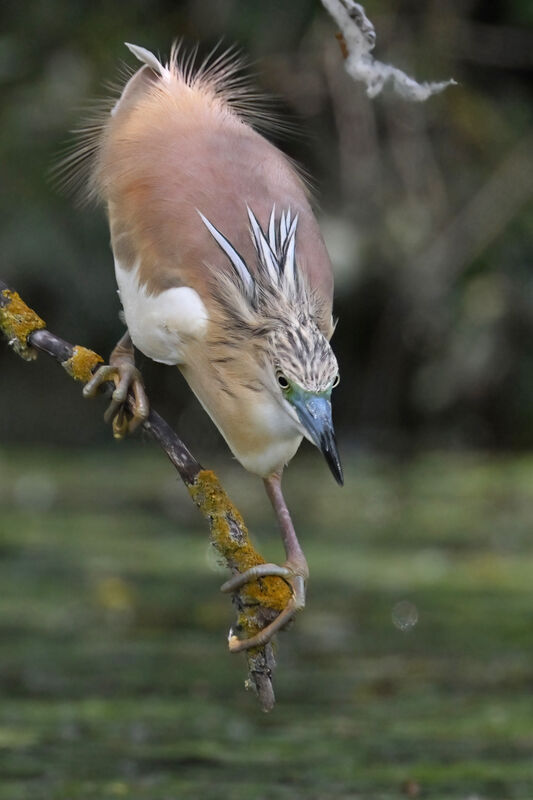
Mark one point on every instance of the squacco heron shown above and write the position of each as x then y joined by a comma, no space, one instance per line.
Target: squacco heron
222,272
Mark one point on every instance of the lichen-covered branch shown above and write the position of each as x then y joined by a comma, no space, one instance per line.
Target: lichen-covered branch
358,38
258,602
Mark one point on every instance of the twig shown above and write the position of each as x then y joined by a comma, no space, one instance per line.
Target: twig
358,39
259,601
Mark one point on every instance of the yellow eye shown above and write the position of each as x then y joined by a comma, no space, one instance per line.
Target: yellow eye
282,381
336,381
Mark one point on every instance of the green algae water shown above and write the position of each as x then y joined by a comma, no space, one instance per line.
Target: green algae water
409,673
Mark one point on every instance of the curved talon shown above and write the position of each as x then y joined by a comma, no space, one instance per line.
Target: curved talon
120,424
126,378
296,581
102,374
259,571
237,645
141,408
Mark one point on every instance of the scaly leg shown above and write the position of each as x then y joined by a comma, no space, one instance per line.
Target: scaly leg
122,370
295,571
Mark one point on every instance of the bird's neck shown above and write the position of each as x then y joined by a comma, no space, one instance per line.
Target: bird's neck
259,432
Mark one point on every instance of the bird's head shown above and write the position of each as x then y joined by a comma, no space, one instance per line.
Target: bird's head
303,372
275,310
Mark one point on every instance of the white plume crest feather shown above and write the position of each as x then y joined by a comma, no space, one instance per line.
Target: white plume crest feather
263,248
272,230
276,253
289,249
236,261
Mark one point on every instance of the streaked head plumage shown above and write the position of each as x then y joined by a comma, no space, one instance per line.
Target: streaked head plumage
303,357
274,307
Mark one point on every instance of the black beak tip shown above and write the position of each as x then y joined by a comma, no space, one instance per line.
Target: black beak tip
334,463
337,473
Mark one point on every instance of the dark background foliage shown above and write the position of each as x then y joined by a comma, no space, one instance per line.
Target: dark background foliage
426,208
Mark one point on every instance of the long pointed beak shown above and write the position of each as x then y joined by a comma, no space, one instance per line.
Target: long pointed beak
315,415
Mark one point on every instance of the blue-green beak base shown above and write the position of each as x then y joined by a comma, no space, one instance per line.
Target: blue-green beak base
314,412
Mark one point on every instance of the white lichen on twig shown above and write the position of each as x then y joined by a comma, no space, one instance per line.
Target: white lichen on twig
359,39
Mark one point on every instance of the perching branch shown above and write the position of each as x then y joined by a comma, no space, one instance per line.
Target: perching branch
358,39
258,602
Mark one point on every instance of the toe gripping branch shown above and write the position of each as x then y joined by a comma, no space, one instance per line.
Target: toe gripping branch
258,602
125,413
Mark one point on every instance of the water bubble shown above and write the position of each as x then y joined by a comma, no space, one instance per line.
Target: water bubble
404,615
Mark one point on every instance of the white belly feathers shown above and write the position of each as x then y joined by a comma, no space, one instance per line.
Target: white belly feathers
160,325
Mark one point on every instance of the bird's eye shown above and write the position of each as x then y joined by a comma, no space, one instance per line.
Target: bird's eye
282,380
336,381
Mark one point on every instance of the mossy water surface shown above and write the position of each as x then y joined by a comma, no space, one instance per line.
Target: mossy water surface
409,674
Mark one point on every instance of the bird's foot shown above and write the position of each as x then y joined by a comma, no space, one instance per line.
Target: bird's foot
295,575
126,377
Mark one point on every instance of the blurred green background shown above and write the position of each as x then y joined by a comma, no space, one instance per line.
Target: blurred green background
409,674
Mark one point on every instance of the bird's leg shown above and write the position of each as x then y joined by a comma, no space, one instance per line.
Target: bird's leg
295,571
122,370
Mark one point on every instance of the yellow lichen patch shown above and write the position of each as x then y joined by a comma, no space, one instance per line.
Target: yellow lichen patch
81,363
237,550
17,321
247,624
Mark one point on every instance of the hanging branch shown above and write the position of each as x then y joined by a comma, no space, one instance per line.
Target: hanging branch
258,602
357,39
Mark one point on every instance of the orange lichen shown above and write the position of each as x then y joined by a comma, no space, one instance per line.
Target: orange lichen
17,322
81,364
233,543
